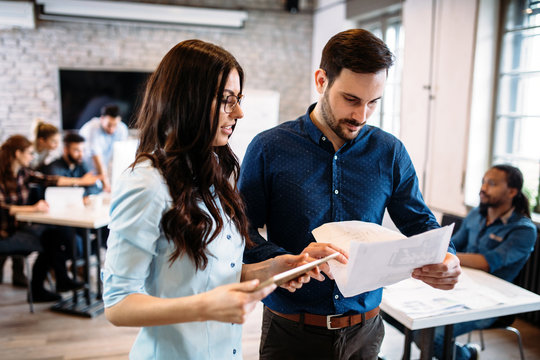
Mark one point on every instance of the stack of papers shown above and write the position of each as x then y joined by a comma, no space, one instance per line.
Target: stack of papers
379,256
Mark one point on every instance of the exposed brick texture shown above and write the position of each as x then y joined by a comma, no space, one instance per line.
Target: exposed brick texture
274,48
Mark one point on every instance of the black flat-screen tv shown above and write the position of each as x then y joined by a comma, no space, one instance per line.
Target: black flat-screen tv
84,92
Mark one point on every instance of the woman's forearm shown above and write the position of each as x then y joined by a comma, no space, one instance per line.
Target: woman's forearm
146,310
13,209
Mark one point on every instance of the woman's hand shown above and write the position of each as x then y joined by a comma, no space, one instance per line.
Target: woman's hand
286,262
41,206
233,302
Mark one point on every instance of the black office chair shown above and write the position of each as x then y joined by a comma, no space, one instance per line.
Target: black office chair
448,219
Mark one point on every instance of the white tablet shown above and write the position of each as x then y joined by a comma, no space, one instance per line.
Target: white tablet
291,274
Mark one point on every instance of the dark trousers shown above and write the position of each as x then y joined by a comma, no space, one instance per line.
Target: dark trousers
52,243
285,339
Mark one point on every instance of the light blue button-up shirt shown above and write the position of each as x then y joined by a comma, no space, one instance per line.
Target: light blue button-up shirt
99,142
137,262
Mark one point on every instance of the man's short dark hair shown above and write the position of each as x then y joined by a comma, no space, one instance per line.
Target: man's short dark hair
71,138
110,110
357,50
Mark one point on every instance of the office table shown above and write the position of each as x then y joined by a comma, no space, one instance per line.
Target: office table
478,295
87,218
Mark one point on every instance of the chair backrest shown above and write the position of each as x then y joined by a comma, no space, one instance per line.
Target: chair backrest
448,219
529,278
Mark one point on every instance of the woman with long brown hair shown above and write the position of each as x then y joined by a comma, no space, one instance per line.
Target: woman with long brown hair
47,138
16,177
178,228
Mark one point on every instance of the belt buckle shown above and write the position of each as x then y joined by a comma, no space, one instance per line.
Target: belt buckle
329,322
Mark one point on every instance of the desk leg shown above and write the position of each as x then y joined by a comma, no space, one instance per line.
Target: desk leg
86,250
88,307
449,342
426,343
98,265
407,345
74,247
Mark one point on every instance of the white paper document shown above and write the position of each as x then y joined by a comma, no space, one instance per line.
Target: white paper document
419,300
379,256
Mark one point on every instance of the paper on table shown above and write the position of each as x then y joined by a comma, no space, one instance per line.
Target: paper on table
419,300
379,256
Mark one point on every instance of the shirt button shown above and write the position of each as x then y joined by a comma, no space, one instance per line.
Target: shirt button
228,237
335,157
336,191
234,351
232,265
323,138
336,297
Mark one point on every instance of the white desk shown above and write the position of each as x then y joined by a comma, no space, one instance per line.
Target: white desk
508,299
87,219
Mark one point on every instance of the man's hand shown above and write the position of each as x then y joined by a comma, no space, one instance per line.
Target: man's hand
319,250
442,276
89,179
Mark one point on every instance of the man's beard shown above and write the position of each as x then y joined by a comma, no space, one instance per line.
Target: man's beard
329,118
72,160
484,206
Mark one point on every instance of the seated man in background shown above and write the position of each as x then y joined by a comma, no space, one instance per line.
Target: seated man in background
101,133
71,163
497,237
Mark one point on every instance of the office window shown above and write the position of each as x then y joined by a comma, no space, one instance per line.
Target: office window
389,29
516,137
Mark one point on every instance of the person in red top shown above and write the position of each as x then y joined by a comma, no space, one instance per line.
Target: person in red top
15,180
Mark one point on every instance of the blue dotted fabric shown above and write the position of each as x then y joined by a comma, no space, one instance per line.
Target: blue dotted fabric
293,181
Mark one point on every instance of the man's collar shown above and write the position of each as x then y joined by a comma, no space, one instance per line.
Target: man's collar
506,216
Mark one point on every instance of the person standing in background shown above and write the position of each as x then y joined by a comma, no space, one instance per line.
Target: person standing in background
101,134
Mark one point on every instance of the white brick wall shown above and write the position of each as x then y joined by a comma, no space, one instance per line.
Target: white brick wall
274,48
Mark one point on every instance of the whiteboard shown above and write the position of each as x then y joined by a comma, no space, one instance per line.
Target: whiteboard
261,112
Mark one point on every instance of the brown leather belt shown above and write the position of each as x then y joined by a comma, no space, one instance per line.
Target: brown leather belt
331,322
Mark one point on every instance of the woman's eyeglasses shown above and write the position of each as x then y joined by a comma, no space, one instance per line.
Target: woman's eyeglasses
230,102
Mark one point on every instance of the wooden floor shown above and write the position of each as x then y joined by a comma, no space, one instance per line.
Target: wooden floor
49,335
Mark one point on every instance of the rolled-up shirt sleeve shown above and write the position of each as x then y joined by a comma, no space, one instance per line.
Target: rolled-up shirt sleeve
137,207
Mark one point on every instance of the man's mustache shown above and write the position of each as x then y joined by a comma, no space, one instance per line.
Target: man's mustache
354,122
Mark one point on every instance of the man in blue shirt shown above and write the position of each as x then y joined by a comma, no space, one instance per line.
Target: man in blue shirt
327,166
497,237
71,163
101,134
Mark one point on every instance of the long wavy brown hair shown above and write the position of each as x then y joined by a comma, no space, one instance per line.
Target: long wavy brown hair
7,157
177,122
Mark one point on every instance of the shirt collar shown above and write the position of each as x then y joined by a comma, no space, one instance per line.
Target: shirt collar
506,216
313,131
